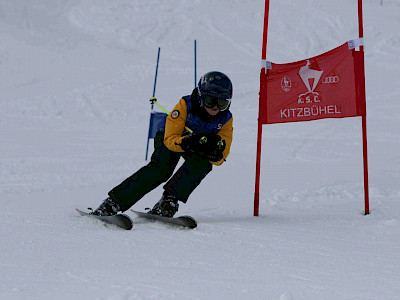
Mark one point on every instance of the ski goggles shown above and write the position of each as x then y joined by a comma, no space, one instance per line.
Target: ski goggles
210,101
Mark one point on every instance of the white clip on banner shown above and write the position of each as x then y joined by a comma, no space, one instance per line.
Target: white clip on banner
356,43
267,65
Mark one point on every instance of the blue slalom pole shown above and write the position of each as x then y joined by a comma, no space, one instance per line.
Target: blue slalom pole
152,105
195,63
155,78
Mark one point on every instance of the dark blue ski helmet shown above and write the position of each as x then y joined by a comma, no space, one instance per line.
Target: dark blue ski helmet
215,88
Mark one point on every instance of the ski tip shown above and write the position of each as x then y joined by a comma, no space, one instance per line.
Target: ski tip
192,223
129,226
185,221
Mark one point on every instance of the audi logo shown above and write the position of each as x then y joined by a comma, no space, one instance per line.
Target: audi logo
331,79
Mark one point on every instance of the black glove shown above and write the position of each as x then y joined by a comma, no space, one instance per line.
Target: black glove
209,146
216,149
194,143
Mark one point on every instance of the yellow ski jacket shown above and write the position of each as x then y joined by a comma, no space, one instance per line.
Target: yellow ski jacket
175,127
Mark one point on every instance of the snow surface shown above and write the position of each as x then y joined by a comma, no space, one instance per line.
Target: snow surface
75,79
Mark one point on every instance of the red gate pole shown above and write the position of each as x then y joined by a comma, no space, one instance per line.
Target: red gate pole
365,156
364,114
258,166
259,131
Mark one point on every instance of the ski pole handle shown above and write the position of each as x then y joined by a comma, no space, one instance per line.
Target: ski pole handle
153,100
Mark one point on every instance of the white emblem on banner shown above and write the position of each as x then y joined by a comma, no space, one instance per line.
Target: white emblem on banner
331,79
310,79
308,75
286,83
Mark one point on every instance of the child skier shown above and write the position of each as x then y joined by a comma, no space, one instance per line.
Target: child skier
207,142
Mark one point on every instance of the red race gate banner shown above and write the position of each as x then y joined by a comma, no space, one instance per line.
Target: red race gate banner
320,87
331,85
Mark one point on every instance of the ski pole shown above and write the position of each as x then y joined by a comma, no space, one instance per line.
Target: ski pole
153,100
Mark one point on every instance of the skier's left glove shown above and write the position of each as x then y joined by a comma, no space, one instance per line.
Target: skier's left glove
215,149
209,146
196,143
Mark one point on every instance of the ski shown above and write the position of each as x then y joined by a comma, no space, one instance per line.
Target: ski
120,220
184,221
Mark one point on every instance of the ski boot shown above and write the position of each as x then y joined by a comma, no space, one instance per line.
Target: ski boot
107,208
166,207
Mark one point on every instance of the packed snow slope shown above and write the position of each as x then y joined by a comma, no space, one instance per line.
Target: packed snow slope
75,79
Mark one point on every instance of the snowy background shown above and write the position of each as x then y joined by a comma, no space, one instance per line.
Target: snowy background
75,79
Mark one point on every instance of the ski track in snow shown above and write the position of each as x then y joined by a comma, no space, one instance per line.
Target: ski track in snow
75,77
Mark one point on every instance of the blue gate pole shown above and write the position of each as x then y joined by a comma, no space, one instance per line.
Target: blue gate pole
155,78
152,105
195,63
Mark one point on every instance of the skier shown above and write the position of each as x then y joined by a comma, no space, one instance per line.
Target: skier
200,130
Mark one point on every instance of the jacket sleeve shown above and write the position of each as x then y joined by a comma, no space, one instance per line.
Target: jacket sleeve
226,133
174,126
